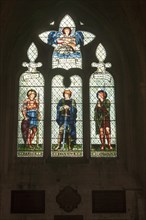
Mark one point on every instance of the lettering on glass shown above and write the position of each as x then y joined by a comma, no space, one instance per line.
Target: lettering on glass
66,117
102,109
67,43
31,108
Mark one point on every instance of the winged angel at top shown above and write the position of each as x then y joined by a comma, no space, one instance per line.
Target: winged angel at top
66,42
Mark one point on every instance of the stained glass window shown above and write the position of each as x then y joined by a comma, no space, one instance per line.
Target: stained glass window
67,42
66,135
66,123
31,109
102,109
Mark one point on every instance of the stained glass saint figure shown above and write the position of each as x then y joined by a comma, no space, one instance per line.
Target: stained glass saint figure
31,116
102,119
67,43
102,108
31,108
66,119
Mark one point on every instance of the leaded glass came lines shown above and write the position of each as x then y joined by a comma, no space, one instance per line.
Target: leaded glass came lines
102,83
31,109
76,148
67,43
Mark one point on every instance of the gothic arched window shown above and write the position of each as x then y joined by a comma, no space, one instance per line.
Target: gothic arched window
66,127
66,124
66,118
31,109
102,109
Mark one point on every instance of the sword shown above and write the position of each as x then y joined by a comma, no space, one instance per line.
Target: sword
64,130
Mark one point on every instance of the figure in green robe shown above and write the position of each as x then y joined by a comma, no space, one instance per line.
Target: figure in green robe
102,119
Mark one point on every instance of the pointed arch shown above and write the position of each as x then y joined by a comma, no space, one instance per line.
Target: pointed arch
57,95
102,109
66,42
31,109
